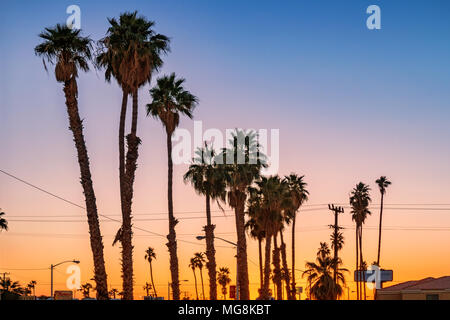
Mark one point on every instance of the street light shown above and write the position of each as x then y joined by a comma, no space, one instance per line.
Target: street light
237,269
51,271
168,287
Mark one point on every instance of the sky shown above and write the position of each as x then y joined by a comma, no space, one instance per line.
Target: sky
351,104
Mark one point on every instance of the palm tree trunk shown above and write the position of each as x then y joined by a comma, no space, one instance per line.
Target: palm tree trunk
244,293
266,284
261,277
357,266
362,263
379,229
195,282
287,278
153,283
293,285
203,287
210,251
76,126
123,113
130,169
277,268
171,237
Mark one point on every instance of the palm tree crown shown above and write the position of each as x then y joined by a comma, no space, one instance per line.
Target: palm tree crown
383,183
150,254
3,222
170,100
131,50
65,48
320,275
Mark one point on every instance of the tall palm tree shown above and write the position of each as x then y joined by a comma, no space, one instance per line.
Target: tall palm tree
265,205
359,202
150,255
223,278
131,53
241,164
299,195
320,275
337,243
383,183
70,52
193,266
169,101
200,262
207,179
3,222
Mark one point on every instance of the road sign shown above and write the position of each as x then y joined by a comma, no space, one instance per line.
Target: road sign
371,276
63,295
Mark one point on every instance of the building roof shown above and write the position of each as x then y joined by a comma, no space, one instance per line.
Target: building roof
429,283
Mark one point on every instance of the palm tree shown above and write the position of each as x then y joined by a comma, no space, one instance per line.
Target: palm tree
131,53
265,205
113,293
147,288
241,165
320,275
337,243
70,52
200,261
359,202
169,101
86,289
256,231
299,195
383,183
223,278
207,179
32,286
8,285
193,266
3,222
149,256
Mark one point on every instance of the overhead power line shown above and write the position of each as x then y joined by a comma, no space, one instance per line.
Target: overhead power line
82,207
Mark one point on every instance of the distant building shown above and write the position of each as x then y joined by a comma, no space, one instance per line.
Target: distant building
425,289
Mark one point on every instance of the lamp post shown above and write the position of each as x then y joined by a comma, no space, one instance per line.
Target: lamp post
237,269
51,272
168,288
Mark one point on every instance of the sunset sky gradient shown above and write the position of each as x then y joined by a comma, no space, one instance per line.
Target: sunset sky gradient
351,104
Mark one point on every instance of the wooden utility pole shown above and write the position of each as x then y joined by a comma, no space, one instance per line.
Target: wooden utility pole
336,228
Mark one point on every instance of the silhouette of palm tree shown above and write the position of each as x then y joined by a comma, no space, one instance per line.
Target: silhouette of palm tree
150,255
207,179
320,275
131,53
299,195
193,266
383,183
359,202
3,222
70,52
169,101
223,278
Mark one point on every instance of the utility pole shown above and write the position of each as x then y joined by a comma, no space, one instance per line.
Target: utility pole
336,228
